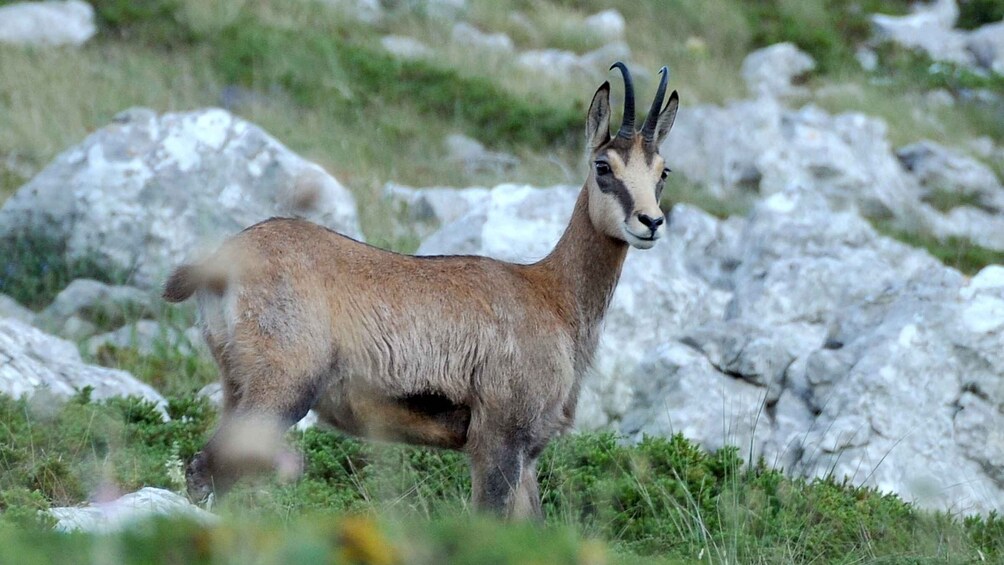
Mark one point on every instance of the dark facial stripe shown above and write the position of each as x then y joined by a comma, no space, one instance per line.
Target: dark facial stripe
613,185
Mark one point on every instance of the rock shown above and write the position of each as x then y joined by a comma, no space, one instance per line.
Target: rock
983,146
841,351
608,25
846,157
987,46
444,9
939,98
939,168
679,391
514,223
32,362
754,148
214,392
145,192
563,65
10,308
365,11
96,303
127,511
75,328
422,211
773,71
474,158
47,23
145,336
928,29
867,58
404,47
473,38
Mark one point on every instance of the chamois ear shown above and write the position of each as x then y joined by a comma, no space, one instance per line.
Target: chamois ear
667,117
598,118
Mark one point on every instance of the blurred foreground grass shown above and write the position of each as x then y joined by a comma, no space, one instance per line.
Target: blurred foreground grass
661,500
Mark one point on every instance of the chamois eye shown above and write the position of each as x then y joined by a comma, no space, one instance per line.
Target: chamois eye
665,172
602,168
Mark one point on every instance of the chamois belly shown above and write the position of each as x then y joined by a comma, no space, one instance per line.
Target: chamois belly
426,418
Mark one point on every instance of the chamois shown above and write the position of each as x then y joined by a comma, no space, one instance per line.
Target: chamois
458,352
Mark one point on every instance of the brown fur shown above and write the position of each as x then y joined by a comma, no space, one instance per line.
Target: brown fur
457,352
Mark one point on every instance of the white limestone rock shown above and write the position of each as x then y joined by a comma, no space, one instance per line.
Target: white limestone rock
127,511
47,24
146,192
33,362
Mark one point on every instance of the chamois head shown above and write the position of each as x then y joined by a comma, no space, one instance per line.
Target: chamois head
627,173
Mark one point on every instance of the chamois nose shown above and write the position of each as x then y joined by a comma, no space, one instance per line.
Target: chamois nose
650,222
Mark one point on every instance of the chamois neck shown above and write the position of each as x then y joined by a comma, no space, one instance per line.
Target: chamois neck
587,264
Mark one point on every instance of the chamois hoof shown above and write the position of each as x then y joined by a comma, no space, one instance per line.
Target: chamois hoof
199,480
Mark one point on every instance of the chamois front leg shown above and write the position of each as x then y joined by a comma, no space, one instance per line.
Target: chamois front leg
504,477
249,437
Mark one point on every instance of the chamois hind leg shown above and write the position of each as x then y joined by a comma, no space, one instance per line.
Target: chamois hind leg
249,436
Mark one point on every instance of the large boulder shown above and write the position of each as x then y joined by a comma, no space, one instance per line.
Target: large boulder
145,192
930,28
127,511
841,352
47,23
33,362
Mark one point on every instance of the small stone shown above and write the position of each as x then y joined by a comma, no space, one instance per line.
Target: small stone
404,47
47,23
127,511
608,25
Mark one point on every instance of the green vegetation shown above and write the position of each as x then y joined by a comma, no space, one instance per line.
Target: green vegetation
35,267
955,252
975,13
663,498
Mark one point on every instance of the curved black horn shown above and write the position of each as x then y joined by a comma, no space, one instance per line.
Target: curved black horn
652,121
627,124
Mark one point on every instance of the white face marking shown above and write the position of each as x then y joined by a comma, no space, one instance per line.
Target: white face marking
623,202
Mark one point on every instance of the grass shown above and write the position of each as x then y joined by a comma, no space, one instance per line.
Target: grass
662,499
958,253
